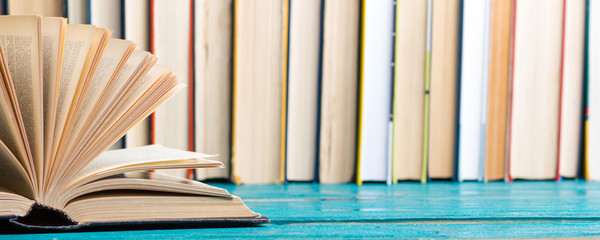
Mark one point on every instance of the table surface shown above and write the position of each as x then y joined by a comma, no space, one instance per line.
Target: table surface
527,209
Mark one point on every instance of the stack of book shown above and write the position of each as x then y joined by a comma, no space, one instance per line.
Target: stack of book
337,91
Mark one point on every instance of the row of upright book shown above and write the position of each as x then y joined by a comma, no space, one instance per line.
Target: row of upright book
337,91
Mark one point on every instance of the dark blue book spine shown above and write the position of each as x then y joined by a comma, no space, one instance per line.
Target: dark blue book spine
458,89
319,91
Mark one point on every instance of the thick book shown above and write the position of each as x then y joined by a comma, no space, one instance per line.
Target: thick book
497,104
592,129
259,66
136,27
375,97
212,82
571,90
535,89
442,105
472,92
409,89
337,143
69,93
302,91
172,120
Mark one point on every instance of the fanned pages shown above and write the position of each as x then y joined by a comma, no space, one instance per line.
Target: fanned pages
171,18
67,93
136,28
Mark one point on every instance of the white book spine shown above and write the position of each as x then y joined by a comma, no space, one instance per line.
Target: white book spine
376,89
471,93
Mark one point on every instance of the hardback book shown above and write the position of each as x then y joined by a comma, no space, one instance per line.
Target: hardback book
304,60
213,30
96,88
498,80
48,8
592,129
259,63
136,26
409,89
375,95
171,126
339,80
571,90
535,84
442,105
472,91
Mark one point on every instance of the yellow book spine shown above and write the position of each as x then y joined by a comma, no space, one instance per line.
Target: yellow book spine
285,30
360,96
235,178
426,119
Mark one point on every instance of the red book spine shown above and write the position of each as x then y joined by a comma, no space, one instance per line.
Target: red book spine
560,96
152,116
191,128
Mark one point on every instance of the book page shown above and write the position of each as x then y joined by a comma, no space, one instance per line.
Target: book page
77,43
97,45
152,156
136,67
143,180
124,100
12,132
53,34
13,204
21,40
12,175
113,60
161,91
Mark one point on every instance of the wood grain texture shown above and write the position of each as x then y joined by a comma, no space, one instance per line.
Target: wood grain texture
442,118
498,89
539,209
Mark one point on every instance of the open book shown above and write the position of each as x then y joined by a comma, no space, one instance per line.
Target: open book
67,93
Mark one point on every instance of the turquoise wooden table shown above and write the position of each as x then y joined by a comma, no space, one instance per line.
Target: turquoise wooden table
405,210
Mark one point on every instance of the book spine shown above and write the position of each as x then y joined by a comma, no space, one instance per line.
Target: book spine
361,81
510,91
560,93
319,91
424,175
586,148
484,92
284,91
461,5
152,124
